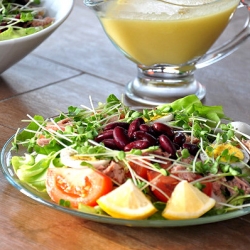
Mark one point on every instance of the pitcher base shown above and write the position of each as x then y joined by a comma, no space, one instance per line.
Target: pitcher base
156,95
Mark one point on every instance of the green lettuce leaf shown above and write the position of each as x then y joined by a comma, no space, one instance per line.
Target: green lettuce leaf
24,135
11,33
53,146
192,104
32,172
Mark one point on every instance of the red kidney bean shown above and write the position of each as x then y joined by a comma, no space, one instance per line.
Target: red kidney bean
192,148
167,145
163,129
115,124
177,147
179,138
147,128
110,143
108,134
142,135
120,137
139,144
134,126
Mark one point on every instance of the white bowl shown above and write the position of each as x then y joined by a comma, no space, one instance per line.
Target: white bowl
12,51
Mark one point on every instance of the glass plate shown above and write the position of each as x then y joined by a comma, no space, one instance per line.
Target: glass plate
44,199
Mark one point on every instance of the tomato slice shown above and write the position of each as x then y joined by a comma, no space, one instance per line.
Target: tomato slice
165,183
83,185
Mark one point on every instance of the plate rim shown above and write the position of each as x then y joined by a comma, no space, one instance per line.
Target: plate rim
11,177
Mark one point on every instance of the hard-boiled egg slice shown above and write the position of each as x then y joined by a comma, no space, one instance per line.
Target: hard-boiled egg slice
70,158
240,154
163,119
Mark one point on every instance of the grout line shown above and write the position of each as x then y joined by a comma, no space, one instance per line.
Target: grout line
35,89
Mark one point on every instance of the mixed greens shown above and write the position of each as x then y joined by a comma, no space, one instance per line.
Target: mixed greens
20,18
214,154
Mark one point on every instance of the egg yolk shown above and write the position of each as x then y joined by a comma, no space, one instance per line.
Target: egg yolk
232,151
153,118
83,158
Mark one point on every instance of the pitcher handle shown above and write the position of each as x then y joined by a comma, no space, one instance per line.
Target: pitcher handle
231,45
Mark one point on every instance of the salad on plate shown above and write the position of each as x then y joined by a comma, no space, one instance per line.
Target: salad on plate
177,161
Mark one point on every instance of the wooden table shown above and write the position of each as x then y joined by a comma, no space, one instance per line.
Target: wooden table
76,61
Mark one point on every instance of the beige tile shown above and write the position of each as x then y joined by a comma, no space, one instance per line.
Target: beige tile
50,100
31,73
77,44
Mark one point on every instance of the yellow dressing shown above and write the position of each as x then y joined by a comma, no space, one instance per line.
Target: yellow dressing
171,35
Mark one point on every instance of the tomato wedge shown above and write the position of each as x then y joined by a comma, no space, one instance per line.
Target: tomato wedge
139,169
83,185
208,186
165,183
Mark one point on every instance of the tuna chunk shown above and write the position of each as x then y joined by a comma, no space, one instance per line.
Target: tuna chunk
42,22
116,172
42,142
246,143
183,173
238,183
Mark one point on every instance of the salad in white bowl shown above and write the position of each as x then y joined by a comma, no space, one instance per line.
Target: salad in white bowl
21,18
178,161
25,24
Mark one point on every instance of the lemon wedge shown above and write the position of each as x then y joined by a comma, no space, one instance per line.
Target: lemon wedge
127,202
187,202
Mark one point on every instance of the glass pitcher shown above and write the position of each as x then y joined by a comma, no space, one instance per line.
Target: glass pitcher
168,40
